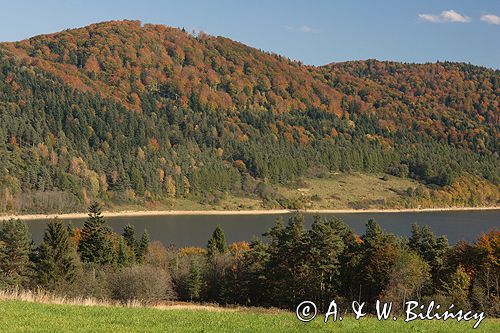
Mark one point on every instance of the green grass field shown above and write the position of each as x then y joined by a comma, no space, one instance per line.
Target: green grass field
20,316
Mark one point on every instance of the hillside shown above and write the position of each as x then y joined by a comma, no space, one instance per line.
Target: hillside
146,114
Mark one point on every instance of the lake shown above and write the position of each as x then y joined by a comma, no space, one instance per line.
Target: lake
194,230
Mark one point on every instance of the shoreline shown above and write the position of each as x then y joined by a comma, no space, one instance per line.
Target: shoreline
140,213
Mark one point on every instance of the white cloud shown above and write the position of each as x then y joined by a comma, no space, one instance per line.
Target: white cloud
453,16
491,19
446,16
429,18
302,28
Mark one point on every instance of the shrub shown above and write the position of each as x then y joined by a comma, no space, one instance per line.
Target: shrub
146,284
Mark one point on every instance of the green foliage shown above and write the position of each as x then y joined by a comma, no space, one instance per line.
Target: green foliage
407,278
15,250
55,257
194,282
325,248
131,240
458,287
217,243
123,257
327,261
379,251
142,247
433,250
96,245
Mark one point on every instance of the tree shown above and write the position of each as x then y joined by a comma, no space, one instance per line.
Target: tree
433,250
142,249
407,278
123,255
219,261
186,185
15,250
287,270
170,188
326,245
194,282
458,288
486,266
56,257
130,239
379,252
95,244
217,243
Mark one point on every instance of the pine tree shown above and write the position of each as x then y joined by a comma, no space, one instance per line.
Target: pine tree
326,245
142,249
194,281
95,245
55,259
130,240
287,267
379,253
15,250
122,257
217,243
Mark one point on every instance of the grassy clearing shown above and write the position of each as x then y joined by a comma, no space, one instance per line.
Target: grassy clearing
21,316
336,191
349,191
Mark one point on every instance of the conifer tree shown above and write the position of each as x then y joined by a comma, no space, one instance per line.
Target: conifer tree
287,267
142,249
217,243
55,259
122,257
15,250
130,239
194,281
95,245
379,252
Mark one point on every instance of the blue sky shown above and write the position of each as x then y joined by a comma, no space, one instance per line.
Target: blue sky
315,32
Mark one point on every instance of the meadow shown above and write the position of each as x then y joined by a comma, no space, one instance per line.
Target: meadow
21,316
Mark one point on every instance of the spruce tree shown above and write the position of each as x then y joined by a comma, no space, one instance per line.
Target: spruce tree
217,243
379,252
130,239
194,282
15,250
96,245
142,249
55,259
123,257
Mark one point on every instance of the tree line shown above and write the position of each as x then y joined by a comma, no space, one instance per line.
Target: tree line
288,265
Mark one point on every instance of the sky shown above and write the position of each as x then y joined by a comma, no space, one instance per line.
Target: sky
314,32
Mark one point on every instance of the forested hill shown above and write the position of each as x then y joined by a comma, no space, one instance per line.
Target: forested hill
124,112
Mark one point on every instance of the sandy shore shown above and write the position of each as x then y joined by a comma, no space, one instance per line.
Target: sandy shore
239,212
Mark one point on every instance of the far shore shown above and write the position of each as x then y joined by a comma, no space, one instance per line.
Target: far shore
132,213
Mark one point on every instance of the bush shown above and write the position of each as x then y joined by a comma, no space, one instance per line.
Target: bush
146,284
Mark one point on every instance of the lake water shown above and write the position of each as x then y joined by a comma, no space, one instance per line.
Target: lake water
194,230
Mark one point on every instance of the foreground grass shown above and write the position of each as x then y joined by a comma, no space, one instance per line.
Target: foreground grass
20,316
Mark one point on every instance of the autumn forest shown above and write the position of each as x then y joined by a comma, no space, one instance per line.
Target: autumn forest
122,112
